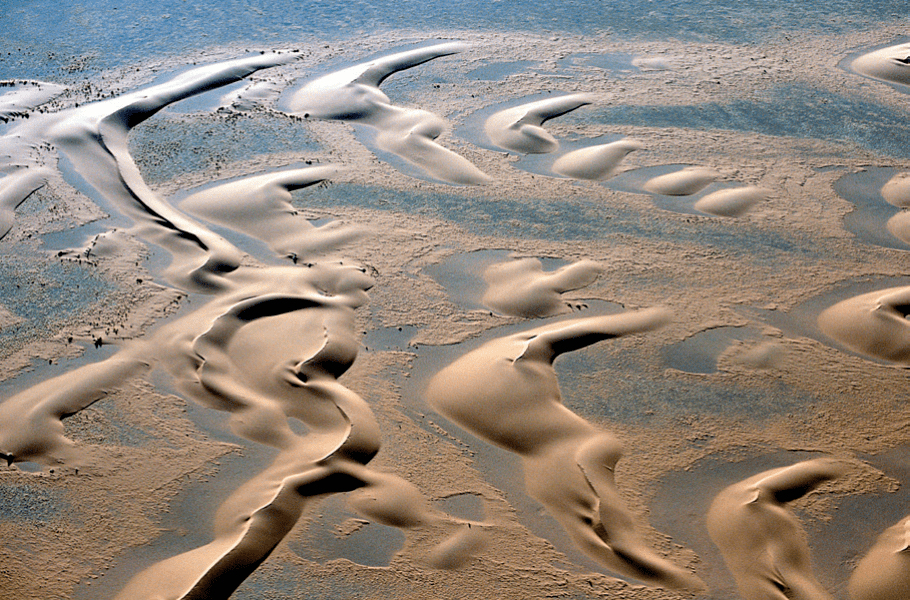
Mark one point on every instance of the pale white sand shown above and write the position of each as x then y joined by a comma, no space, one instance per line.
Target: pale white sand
596,162
889,64
684,182
353,94
761,541
896,190
899,226
522,288
874,324
733,202
520,128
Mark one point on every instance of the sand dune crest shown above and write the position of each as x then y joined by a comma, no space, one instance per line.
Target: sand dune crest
519,128
874,324
597,162
684,182
522,288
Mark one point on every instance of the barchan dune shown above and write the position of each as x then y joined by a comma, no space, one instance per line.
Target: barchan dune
888,64
519,128
353,95
684,182
733,202
884,573
522,288
897,190
874,324
761,541
597,162
506,392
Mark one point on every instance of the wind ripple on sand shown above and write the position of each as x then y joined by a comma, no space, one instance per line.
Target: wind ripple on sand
596,162
507,393
684,182
762,542
353,95
888,64
519,128
873,324
884,573
521,287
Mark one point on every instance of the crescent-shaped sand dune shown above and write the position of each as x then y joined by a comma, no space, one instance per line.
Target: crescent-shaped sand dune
353,94
884,572
596,162
684,182
874,324
761,541
733,202
519,128
890,64
522,288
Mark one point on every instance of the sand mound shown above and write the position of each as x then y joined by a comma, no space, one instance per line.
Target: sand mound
873,324
353,95
899,226
522,288
733,202
684,182
652,63
761,541
506,392
597,162
888,64
884,573
519,128
897,190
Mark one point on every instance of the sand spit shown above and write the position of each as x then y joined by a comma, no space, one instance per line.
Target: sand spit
522,288
597,162
890,64
684,182
519,128
94,139
353,95
873,324
884,573
896,190
734,202
761,541
260,206
507,393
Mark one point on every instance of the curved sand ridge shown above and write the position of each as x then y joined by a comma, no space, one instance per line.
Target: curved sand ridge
684,182
888,64
519,128
353,95
761,541
596,162
522,288
507,393
896,190
884,573
874,324
733,202
94,138
260,206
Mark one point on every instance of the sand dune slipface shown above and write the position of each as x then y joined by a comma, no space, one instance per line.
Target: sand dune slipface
873,324
761,541
507,393
519,128
522,288
897,190
597,162
260,206
684,182
733,202
890,64
353,95
884,573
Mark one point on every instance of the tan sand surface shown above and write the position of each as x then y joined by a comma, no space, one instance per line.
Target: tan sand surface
520,128
896,190
889,64
684,182
874,324
596,162
884,573
733,202
522,288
